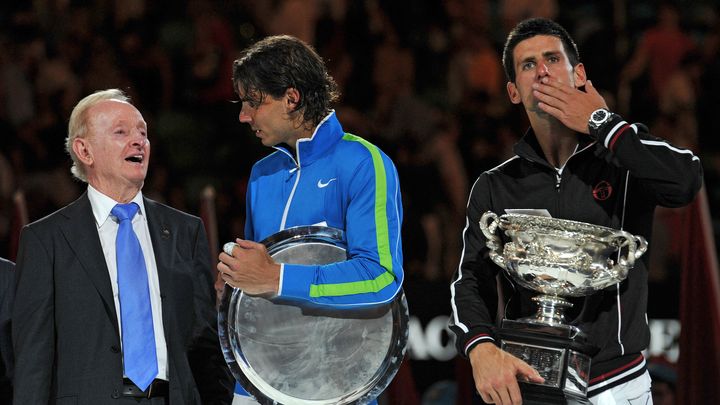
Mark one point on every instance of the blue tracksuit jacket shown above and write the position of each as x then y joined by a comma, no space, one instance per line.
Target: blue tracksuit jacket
342,181
339,180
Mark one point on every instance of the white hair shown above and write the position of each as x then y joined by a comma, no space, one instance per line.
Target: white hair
77,127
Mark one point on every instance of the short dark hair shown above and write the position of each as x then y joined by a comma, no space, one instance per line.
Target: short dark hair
533,27
277,63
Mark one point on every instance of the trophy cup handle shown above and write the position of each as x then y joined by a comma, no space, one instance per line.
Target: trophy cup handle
636,245
641,246
488,225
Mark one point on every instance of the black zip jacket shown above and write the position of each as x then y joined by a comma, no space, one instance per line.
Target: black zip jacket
616,181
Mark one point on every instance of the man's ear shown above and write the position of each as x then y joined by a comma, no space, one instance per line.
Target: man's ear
513,93
83,150
292,95
580,75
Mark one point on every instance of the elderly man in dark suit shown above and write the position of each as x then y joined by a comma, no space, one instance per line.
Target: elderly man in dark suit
114,301
7,289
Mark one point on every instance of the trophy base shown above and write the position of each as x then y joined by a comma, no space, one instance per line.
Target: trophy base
560,353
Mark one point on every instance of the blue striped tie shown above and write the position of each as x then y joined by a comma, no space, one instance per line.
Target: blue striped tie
138,338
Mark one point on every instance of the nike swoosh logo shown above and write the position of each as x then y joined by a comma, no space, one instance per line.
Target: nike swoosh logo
323,185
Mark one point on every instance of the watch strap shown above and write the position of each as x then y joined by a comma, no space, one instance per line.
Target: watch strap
595,126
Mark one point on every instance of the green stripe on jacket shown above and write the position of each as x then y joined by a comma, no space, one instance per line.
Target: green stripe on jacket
382,235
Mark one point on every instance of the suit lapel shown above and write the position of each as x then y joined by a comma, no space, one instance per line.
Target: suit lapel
163,237
81,233
163,240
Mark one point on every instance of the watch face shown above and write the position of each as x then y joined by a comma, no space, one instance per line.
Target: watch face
599,116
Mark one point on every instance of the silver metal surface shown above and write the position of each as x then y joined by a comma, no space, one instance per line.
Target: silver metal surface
283,352
559,258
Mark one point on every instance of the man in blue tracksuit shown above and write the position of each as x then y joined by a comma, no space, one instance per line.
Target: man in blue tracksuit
318,175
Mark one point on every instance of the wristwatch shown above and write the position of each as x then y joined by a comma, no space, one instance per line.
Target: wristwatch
597,119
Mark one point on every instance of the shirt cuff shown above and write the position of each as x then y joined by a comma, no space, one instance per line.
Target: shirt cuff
476,340
280,281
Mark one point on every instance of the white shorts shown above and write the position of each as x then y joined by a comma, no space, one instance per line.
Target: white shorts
634,392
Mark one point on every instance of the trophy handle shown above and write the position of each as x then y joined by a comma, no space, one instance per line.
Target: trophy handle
641,246
488,229
488,225
636,244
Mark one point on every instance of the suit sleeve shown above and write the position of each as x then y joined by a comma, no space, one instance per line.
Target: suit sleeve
211,373
373,274
7,293
670,176
33,327
473,291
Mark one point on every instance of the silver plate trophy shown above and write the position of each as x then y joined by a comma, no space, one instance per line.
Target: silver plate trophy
286,352
556,258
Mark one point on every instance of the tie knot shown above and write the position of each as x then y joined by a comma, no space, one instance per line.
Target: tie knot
125,211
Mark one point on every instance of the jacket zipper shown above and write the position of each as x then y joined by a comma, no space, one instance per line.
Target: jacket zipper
558,180
558,172
292,192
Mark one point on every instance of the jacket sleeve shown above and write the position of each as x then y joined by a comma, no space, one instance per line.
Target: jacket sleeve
33,326
211,373
473,291
670,176
373,273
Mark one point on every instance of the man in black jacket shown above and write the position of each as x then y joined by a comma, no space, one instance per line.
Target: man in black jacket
581,162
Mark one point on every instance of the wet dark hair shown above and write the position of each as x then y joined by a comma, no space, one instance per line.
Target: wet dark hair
277,63
531,28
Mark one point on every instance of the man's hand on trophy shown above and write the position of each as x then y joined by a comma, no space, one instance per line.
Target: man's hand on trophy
496,374
248,266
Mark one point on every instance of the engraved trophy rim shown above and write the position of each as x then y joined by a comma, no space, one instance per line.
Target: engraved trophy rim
599,231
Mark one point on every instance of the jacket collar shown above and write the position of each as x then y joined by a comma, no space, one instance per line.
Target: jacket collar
529,148
326,135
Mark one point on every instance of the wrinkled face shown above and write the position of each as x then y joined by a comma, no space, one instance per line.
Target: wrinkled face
538,57
117,145
270,118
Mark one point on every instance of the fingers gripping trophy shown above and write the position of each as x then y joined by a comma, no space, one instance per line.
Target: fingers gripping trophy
558,259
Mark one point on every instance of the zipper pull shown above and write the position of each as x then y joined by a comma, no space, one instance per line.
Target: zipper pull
558,179
290,174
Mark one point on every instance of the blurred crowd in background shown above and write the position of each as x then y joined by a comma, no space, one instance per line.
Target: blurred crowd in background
421,79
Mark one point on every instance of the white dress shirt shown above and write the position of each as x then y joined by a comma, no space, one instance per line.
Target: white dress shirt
107,230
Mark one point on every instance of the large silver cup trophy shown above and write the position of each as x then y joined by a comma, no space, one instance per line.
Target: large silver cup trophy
288,353
556,258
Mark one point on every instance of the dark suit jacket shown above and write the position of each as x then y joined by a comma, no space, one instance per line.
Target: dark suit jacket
65,328
7,290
